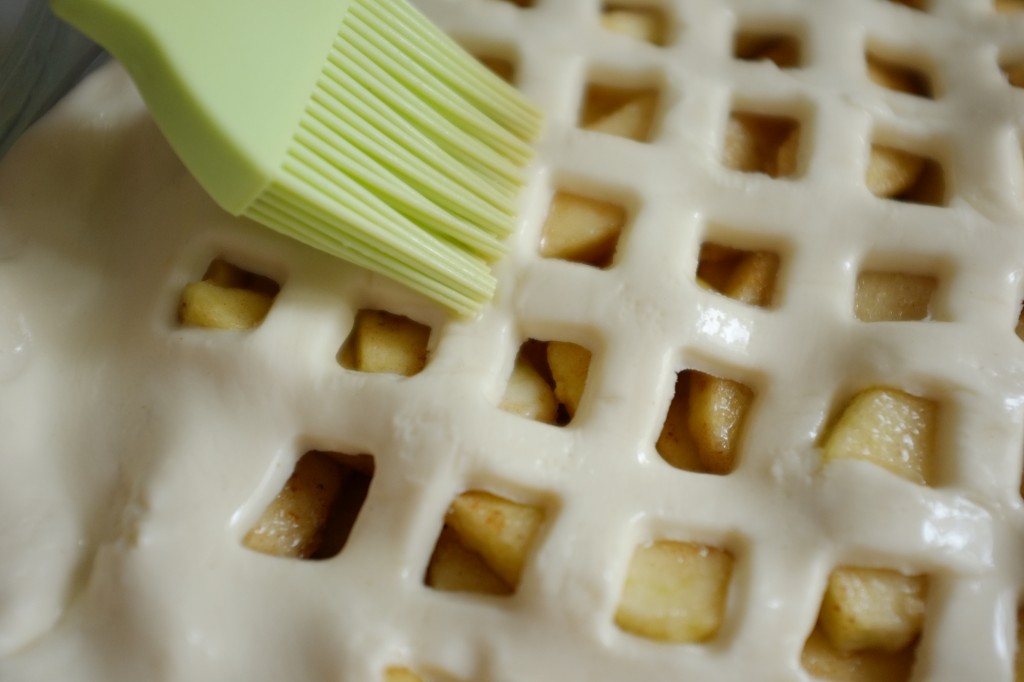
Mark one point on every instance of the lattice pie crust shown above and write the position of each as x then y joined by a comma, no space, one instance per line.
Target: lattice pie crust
748,405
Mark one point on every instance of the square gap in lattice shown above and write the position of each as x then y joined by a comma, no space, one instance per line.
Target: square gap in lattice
899,75
525,4
704,426
582,228
404,674
385,343
502,60
868,626
1012,67
484,544
548,381
901,174
883,295
1008,6
919,5
227,297
629,111
888,427
748,276
676,591
781,46
1018,662
643,22
762,143
313,514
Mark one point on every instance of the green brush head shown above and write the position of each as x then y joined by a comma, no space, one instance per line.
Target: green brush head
354,126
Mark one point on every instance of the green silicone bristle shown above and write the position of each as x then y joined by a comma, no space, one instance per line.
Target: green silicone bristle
355,126
387,121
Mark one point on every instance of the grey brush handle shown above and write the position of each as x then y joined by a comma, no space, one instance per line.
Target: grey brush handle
41,58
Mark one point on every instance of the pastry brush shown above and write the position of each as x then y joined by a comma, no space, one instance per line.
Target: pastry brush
354,126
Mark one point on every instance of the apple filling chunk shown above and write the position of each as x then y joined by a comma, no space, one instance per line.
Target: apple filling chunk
227,297
868,626
484,544
675,592
622,112
382,342
704,425
547,381
889,428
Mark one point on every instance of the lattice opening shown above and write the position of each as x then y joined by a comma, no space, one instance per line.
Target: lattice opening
1013,69
227,297
756,143
525,4
547,381
703,429
1018,657
784,49
620,111
1009,6
919,5
747,276
484,544
675,592
503,67
582,229
1019,329
313,515
905,176
640,22
383,342
889,428
868,627
893,296
402,674
899,77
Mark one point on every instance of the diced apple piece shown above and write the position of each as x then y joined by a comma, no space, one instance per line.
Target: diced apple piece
675,443
224,274
895,77
824,661
638,23
783,50
204,304
388,343
761,144
293,524
893,296
890,428
626,112
786,158
1020,325
891,172
499,530
1008,6
401,675
502,68
582,229
675,592
633,120
1015,74
718,409
753,279
716,264
570,364
741,146
454,568
528,395
1018,659
868,608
